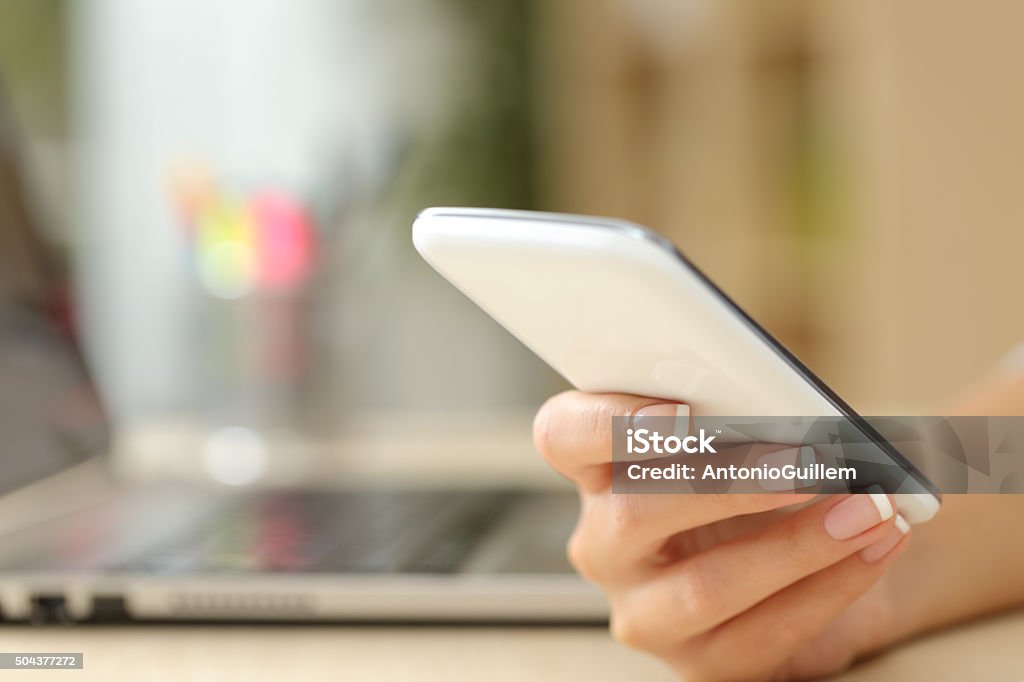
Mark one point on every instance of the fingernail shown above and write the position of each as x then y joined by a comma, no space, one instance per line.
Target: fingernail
652,416
881,549
799,457
902,525
857,514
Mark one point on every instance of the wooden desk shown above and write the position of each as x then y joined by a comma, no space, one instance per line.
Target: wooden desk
991,650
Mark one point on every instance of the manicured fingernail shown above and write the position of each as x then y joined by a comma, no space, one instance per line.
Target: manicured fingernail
902,525
800,458
857,514
881,549
882,501
652,417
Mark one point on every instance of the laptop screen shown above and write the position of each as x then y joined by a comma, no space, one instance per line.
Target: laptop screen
50,417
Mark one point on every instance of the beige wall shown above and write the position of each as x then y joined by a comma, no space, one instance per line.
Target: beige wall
850,171
940,108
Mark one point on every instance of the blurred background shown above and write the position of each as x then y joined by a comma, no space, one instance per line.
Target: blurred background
233,184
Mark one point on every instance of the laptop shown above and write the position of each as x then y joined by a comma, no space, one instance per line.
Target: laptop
79,544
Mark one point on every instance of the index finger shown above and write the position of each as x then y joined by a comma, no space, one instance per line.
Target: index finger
573,431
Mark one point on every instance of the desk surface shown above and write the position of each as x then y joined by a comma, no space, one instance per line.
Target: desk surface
987,650
991,650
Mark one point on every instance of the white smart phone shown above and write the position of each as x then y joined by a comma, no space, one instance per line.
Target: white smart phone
615,308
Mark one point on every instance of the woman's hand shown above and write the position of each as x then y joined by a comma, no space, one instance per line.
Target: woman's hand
724,587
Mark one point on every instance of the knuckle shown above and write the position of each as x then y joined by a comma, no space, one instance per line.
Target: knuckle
794,544
674,611
694,599
579,552
630,629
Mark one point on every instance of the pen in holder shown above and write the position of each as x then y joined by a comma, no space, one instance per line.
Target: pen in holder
252,255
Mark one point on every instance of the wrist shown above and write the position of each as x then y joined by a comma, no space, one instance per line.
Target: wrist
965,563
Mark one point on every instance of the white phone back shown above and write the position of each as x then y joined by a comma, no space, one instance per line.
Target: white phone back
613,308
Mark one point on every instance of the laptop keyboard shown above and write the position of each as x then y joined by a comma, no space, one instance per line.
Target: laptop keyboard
346,532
